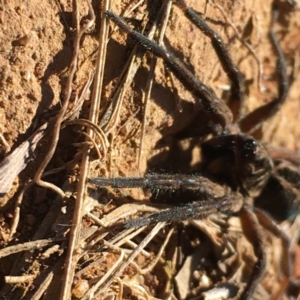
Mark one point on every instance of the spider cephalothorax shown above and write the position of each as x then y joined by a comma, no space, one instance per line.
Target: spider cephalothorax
238,160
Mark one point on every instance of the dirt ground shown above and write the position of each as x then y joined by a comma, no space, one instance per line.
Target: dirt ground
36,48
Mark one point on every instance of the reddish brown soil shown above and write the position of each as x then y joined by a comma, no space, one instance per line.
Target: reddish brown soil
36,39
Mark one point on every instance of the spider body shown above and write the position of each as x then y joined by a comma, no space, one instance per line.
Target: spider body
283,188
238,160
234,166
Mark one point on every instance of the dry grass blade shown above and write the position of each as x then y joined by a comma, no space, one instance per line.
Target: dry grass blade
71,259
19,279
97,130
122,86
47,280
67,95
159,254
28,246
102,285
16,155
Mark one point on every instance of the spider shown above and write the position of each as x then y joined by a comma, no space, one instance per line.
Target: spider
231,158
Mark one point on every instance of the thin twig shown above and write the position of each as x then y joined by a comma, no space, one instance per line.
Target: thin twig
93,143
28,246
38,176
158,256
72,114
130,69
44,285
71,259
133,254
19,279
91,293
100,134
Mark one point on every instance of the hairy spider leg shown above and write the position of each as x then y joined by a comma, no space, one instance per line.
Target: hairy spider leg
192,210
253,233
216,108
160,181
196,209
270,224
255,119
237,89
250,221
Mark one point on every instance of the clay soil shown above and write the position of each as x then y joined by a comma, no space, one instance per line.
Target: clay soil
36,48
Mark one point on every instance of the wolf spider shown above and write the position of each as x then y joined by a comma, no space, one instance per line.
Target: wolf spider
231,158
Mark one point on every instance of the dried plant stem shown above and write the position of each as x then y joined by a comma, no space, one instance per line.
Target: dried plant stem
44,285
19,279
28,246
100,134
158,256
98,289
72,258
93,291
60,117
122,86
